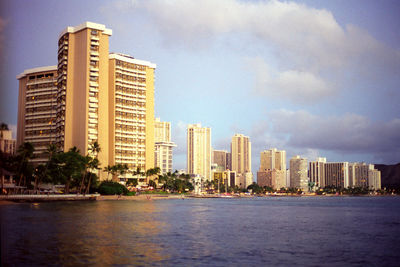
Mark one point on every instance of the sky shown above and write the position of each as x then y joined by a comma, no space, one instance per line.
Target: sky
314,78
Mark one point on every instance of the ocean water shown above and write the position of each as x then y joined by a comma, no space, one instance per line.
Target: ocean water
275,231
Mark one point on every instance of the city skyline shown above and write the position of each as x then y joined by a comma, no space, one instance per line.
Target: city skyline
329,90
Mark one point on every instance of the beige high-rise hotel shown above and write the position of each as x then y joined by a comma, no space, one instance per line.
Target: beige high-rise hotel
91,95
37,102
272,170
241,159
199,150
131,103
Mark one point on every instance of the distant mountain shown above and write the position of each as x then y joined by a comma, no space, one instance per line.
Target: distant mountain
390,175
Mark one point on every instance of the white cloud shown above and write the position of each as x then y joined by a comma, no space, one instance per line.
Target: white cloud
306,36
179,137
300,87
349,133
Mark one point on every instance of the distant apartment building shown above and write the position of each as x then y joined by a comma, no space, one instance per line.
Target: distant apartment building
227,177
90,96
358,174
7,143
343,174
324,173
374,179
221,158
229,161
298,173
272,170
163,146
199,150
37,115
241,158
131,112
364,175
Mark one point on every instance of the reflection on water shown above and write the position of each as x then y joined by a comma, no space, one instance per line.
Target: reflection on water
204,232
84,233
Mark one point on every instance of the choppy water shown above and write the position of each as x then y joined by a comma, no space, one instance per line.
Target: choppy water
307,231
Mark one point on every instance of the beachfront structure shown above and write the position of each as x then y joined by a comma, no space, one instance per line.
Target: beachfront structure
199,150
323,173
83,89
298,173
37,104
364,175
163,146
374,179
272,170
131,85
241,154
90,96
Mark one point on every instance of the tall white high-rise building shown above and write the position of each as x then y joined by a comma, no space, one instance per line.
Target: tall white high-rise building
163,145
298,173
199,150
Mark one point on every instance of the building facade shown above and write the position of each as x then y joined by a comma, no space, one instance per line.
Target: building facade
316,172
220,157
90,96
324,173
8,145
374,179
131,102
37,103
358,174
272,170
298,173
199,150
241,154
83,89
163,146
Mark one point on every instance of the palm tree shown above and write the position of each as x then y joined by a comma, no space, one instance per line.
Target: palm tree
152,171
92,163
24,154
109,170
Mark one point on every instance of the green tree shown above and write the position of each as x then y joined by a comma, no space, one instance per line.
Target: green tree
25,168
255,188
70,166
109,170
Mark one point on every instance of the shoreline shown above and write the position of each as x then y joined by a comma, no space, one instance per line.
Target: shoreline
15,199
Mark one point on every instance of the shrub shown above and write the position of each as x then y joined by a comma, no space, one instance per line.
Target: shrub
112,188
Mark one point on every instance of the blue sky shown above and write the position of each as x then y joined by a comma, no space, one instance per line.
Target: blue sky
315,78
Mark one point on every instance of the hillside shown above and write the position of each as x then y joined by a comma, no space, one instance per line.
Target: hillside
390,175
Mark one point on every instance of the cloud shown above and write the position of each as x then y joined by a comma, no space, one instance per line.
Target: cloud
314,54
306,36
347,134
179,137
300,87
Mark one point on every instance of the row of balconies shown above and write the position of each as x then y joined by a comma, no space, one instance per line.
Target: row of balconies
42,91
135,70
